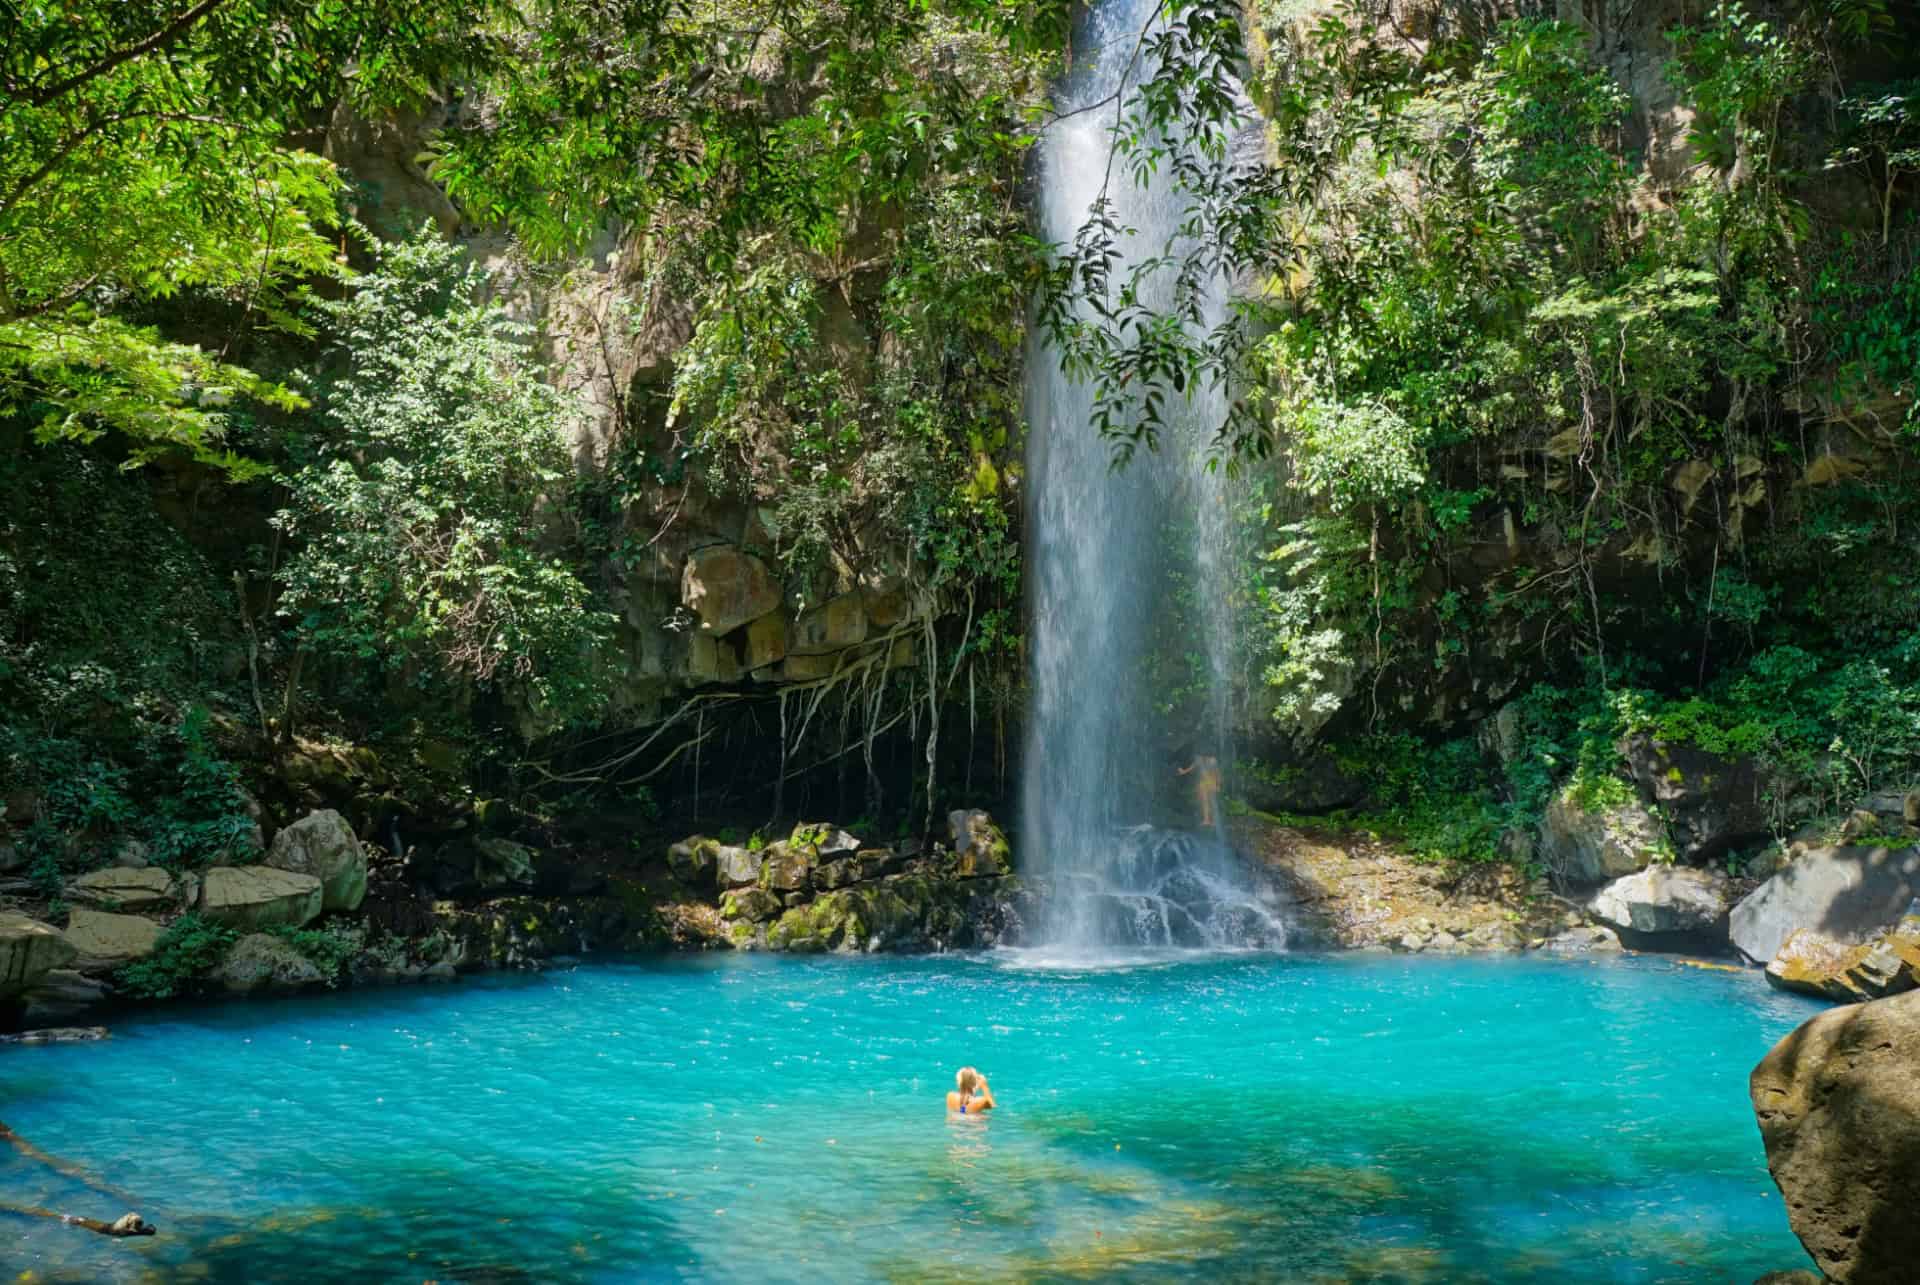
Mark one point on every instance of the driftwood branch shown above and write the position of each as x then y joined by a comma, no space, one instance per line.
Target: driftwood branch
124,1225
66,1169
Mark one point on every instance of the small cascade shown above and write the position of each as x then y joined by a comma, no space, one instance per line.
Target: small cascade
1112,554
1177,890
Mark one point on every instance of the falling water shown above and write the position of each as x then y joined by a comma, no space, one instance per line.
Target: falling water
1107,549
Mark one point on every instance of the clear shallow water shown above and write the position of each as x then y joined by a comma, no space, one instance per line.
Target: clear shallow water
765,1118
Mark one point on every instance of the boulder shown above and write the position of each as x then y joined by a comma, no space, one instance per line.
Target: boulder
1592,845
693,862
836,874
259,897
1814,964
833,626
979,848
323,845
754,905
29,950
123,888
766,641
1847,894
502,864
104,941
1838,1106
736,867
61,996
1711,803
726,587
1589,939
11,858
788,868
877,862
1664,901
263,962
130,853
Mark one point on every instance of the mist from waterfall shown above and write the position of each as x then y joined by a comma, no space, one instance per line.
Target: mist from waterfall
1110,551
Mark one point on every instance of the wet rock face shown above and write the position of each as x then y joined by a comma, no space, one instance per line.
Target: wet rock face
1838,1104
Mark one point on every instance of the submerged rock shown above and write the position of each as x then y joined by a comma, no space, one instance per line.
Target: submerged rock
1838,1105
323,845
1847,894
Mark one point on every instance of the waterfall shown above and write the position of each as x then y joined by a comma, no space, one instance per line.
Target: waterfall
1108,551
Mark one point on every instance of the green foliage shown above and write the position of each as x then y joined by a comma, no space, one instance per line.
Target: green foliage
185,956
1434,799
329,948
144,154
423,490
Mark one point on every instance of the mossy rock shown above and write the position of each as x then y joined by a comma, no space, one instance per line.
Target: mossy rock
755,905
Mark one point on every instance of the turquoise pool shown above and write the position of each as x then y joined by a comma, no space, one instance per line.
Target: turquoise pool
759,1118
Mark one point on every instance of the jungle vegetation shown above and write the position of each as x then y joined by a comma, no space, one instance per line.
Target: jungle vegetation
1548,387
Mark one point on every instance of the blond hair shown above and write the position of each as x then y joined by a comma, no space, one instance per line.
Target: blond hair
966,1079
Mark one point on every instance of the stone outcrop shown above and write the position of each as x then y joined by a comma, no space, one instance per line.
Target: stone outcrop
323,845
254,897
1665,901
1814,964
694,862
1838,1105
1711,803
1848,894
105,941
59,997
979,848
124,888
820,889
1588,845
726,587
263,962
29,950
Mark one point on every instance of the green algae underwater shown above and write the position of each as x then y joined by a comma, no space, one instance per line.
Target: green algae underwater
758,1118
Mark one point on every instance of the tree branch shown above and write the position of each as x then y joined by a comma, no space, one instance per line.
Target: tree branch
160,39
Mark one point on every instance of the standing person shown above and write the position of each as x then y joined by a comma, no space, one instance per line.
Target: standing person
1205,770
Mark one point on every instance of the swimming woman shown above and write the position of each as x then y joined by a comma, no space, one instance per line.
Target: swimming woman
970,1095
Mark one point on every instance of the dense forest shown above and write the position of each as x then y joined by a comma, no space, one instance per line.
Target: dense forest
551,410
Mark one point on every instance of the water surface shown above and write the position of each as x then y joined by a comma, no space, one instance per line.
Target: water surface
765,1118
